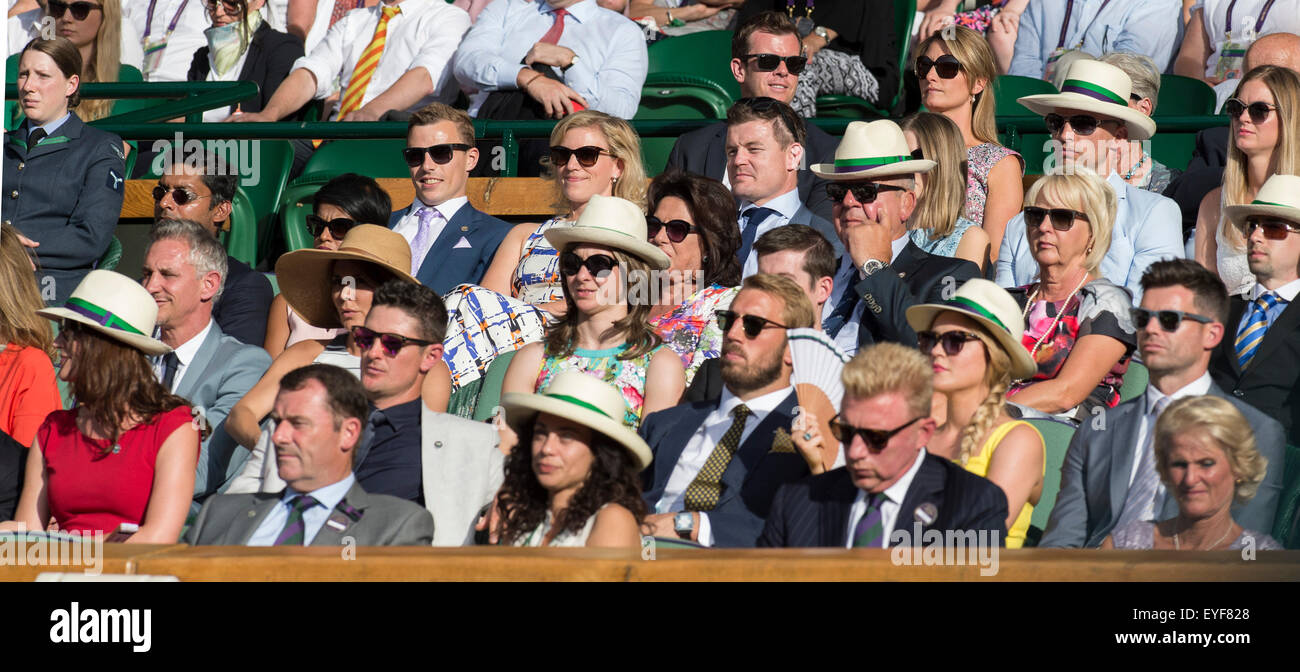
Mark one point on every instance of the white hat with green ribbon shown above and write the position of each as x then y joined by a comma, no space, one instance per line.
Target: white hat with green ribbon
1100,88
872,150
115,306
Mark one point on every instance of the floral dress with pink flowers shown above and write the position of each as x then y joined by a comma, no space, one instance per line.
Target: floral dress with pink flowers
627,375
691,329
980,159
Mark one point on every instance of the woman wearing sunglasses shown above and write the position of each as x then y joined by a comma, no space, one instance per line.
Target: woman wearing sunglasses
1077,326
243,47
607,266
342,203
694,223
938,225
956,78
1264,139
998,22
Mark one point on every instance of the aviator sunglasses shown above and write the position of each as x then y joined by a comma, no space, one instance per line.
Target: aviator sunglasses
752,325
392,343
1258,110
1062,218
598,265
1274,229
441,154
181,195
874,438
945,65
677,229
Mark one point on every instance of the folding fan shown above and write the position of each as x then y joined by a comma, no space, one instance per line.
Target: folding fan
818,363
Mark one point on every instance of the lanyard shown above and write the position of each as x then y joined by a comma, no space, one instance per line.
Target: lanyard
1227,24
1069,9
148,21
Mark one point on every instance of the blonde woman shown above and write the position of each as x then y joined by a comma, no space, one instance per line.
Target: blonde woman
1263,140
956,79
938,225
98,36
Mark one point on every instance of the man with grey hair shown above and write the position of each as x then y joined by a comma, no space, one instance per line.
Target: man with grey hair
1138,167
184,271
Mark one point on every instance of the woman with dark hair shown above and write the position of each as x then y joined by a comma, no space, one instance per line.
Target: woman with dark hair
126,454
28,392
243,47
342,203
694,223
572,481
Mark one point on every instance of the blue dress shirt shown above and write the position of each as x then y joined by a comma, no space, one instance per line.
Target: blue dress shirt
327,497
390,462
50,127
1150,27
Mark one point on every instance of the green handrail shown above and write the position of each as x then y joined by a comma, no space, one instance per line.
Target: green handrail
186,98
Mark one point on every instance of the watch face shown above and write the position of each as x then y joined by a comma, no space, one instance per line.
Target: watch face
683,521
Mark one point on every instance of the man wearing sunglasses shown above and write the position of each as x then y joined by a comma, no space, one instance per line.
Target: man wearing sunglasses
1047,29
451,241
1109,477
184,271
718,462
191,192
766,59
1259,359
890,488
1089,121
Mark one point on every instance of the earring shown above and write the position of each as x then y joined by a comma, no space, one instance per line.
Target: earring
614,182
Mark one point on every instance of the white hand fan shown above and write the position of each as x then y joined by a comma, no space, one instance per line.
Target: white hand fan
817,365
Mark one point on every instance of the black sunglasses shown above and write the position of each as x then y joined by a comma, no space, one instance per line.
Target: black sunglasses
1274,229
752,325
1258,110
952,341
587,156
945,65
441,154
677,229
874,438
770,62
1170,320
337,227
181,195
1062,218
392,343
80,10
232,6
863,192
1083,124
598,265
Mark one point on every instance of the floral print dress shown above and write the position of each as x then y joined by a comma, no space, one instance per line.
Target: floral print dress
627,375
691,329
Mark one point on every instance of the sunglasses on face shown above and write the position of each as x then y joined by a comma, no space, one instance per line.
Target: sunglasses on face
391,343
863,192
180,195
945,65
587,156
337,227
1062,218
1274,229
876,439
1258,110
1083,124
441,154
952,341
231,6
752,325
770,62
1170,320
80,10
677,229
598,265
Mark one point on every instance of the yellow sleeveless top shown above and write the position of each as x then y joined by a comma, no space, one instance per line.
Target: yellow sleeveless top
979,465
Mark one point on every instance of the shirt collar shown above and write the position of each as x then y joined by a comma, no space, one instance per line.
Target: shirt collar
896,492
582,11
759,406
1286,292
186,351
785,205
1197,387
1118,185
329,496
52,126
898,245
447,208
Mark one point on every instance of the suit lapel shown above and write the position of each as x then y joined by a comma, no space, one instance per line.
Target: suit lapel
908,261
256,513
669,449
754,448
254,55
1119,455
926,488
194,372
715,154
1236,308
338,523
834,519
463,223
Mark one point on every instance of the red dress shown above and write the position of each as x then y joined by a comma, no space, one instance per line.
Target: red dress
88,491
28,392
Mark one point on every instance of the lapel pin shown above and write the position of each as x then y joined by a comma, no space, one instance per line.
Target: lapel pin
336,524
464,228
926,513
252,513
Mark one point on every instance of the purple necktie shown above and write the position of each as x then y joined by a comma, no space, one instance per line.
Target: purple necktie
294,532
423,236
870,531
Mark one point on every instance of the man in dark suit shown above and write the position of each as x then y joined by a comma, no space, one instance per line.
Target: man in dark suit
718,463
1259,360
890,491
450,241
320,414
882,272
770,34
206,195
1109,477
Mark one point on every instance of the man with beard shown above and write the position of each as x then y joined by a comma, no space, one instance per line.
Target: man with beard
717,464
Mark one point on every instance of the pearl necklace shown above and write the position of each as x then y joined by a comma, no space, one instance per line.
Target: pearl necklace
1051,329
1178,547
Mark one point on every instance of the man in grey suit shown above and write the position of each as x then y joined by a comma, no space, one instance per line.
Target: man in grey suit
1109,477
185,270
319,416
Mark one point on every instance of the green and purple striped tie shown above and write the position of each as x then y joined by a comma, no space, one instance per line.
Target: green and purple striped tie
294,531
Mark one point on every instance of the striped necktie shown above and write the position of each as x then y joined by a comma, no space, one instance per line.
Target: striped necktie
295,530
1251,332
704,492
367,64
870,530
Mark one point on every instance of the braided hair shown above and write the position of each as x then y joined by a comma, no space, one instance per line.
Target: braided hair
997,376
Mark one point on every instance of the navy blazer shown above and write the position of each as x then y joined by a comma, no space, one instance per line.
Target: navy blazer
1271,382
748,484
245,302
448,263
65,194
815,511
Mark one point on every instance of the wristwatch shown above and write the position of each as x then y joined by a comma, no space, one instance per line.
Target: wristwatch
871,266
684,524
820,31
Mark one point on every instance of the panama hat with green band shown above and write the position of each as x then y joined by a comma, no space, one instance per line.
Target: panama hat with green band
581,398
994,309
1278,198
1100,88
115,306
872,150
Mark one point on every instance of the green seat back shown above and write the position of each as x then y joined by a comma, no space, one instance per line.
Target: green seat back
1135,382
489,396
295,205
464,399
111,256
1286,525
676,96
705,54
1008,88
848,107
1056,440
1185,96
380,157
241,240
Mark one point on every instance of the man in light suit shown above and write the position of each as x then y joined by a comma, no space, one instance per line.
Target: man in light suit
184,271
717,463
765,37
1109,477
451,242
891,491
319,414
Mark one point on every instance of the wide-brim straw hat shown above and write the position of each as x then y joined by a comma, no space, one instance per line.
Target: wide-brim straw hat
994,309
1100,88
612,222
584,399
306,280
1279,197
872,150
115,306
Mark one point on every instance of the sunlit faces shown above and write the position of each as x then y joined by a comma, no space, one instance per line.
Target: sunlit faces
966,368
437,183
1199,473
1273,260
779,83
385,377
686,256
1094,151
939,94
1177,350
1250,137
875,471
80,32
174,283
68,344
561,450
310,450
198,207
592,293
223,13
352,287
750,364
43,90
757,165
890,208
329,212
1050,246
579,183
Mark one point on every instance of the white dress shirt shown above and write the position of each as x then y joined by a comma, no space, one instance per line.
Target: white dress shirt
701,446
894,495
409,224
1146,428
423,35
848,276
185,353
785,206
276,13
313,519
186,39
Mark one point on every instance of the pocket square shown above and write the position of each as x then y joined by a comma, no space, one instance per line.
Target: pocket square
781,442
463,243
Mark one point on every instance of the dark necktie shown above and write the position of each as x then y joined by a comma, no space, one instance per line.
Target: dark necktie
751,218
844,308
704,492
35,137
170,364
295,530
870,530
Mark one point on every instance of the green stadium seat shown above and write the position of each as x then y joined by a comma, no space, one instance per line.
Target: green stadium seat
1135,382
1034,147
1185,96
706,54
489,396
1056,440
111,256
380,157
1286,525
241,240
848,107
676,96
